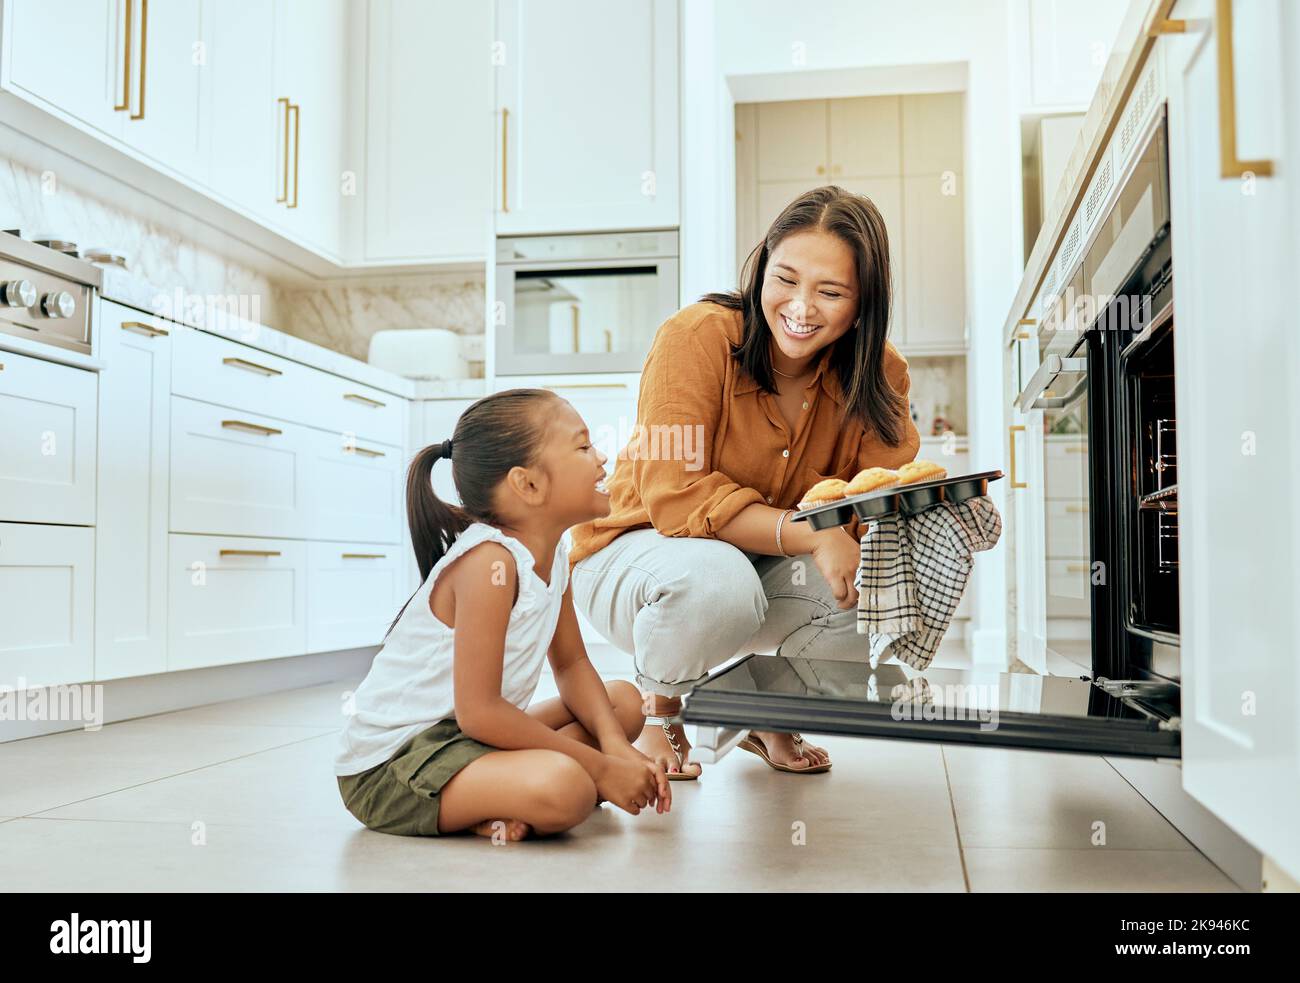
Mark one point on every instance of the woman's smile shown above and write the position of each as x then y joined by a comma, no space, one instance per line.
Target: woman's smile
796,329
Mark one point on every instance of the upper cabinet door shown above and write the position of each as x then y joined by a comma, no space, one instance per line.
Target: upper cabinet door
1235,255
311,75
427,191
1068,42
245,121
587,120
792,142
169,54
86,80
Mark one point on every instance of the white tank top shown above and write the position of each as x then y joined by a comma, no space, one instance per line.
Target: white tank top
409,686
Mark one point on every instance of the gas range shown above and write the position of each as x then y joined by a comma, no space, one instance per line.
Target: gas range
46,295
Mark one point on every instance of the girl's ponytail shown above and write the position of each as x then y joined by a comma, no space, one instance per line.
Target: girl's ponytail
434,524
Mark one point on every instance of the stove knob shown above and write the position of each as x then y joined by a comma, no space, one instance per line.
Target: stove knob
58,304
17,293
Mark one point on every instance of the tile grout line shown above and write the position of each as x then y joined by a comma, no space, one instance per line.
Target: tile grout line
952,805
161,778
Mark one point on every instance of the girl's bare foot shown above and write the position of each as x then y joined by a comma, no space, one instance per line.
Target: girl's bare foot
654,743
780,748
511,830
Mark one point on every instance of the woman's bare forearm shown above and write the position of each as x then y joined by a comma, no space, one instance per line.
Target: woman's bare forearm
754,530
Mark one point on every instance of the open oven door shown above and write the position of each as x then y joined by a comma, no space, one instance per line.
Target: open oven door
951,706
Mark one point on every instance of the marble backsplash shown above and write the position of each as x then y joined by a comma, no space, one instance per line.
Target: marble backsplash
341,316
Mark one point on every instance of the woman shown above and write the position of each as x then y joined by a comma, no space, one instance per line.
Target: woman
747,399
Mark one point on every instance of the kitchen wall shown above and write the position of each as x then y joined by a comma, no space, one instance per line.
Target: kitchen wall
338,315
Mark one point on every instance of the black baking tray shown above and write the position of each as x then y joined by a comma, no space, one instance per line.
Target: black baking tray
907,499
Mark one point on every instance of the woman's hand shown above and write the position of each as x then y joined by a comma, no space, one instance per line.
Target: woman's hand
837,555
633,781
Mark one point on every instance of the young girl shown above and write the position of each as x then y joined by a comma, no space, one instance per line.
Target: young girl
440,740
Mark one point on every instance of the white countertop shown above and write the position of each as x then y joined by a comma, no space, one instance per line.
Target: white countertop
208,314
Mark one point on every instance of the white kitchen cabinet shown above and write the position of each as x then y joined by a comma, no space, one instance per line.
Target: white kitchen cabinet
934,257
587,115
235,600
1235,254
791,141
237,473
428,179
932,133
245,129
311,72
134,462
85,81
164,121
354,591
438,423
47,441
354,489
1064,45
46,604
865,137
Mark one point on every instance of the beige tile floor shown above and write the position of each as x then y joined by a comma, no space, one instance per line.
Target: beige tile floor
241,796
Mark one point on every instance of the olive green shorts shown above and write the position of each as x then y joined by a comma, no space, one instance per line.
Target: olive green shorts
401,795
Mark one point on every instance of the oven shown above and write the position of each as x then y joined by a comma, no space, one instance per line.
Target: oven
582,303
1100,375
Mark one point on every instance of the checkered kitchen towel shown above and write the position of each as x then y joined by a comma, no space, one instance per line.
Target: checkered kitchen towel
912,574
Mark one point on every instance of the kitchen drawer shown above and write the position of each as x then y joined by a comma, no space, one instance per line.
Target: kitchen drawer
218,370
1065,466
1069,588
1067,529
350,408
354,591
46,604
47,441
238,473
235,600
355,489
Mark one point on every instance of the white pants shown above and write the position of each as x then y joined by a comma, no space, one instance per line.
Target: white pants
682,606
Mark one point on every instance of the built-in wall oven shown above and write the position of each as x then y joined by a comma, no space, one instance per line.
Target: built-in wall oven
1105,378
582,303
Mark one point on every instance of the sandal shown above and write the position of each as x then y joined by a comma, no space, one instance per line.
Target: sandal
755,745
676,776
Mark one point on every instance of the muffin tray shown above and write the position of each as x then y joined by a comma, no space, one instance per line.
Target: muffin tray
907,499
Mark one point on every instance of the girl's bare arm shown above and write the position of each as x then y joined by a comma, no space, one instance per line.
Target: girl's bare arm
579,684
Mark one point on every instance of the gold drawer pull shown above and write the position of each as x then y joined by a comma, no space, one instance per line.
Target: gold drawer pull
1229,164
253,427
126,64
145,329
1076,508
283,196
358,398
364,450
243,363
1076,568
1075,449
1011,436
365,556
144,52
248,552
296,147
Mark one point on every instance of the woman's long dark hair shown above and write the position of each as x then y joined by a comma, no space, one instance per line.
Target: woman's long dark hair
858,355
496,433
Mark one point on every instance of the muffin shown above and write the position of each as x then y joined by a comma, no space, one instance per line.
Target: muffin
823,493
917,471
871,479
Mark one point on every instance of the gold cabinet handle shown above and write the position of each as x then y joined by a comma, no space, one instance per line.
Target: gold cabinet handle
365,451
1076,508
248,552
144,53
1011,433
252,427
283,196
1229,165
126,65
243,363
1076,568
364,556
505,129
145,329
358,398
295,107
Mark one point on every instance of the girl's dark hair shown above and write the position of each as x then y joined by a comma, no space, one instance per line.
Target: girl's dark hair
858,355
496,433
